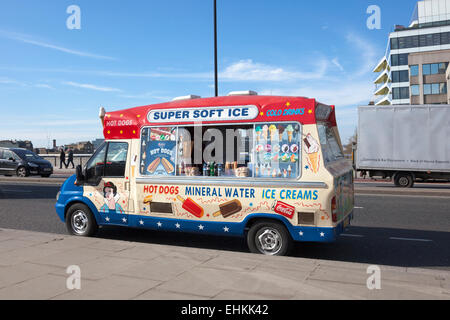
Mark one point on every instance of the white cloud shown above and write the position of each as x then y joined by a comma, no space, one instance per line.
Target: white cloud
29,40
366,50
91,87
247,70
335,61
44,86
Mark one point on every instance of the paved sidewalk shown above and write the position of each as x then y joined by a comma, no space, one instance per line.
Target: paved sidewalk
33,266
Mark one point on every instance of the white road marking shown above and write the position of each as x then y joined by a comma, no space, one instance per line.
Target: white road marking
351,235
410,239
358,207
19,191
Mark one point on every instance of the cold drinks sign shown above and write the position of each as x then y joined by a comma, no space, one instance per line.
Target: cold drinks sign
204,114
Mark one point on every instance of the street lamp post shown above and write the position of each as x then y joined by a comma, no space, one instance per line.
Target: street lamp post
216,80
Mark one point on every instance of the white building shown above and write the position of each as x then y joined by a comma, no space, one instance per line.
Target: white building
403,80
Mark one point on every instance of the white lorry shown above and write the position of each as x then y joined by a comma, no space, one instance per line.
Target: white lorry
406,143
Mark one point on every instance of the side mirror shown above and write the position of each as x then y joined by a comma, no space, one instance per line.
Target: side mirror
12,159
80,175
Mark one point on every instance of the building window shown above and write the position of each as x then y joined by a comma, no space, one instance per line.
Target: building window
443,67
415,90
399,59
414,70
400,76
435,88
435,68
400,93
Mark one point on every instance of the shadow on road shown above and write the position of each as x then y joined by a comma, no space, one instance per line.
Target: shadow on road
375,247
38,191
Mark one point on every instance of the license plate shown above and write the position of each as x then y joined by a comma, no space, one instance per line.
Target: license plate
47,169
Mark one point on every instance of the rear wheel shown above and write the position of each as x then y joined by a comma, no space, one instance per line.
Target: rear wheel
404,180
269,238
22,172
80,221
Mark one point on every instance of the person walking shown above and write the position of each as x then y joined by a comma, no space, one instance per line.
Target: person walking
62,159
70,159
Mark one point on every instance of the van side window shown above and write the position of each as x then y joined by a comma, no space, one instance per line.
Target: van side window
116,159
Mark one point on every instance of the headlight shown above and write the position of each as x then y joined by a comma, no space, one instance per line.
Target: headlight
33,165
57,195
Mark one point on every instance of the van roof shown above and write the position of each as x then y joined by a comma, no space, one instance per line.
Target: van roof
127,123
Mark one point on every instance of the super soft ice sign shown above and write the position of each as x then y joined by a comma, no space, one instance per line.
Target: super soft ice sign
203,114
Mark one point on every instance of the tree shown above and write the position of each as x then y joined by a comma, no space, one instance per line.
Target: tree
349,146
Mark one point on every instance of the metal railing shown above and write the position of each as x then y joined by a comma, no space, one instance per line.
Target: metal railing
78,159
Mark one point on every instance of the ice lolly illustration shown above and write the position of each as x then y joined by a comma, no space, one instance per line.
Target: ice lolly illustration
229,208
290,131
190,206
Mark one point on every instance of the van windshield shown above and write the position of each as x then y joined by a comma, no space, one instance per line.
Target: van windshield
330,146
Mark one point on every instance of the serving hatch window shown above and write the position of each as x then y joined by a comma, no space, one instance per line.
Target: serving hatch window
241,151
330,147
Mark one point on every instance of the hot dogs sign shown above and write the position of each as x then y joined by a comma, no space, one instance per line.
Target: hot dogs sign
158,152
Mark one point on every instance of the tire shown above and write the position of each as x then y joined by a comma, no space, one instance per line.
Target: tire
273,234
404,180
80,221
22,172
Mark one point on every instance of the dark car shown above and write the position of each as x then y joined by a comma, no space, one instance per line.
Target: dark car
22,162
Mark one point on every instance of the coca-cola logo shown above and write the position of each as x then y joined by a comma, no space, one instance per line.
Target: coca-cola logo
284,209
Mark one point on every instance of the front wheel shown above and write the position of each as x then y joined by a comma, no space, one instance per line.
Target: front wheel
80,221
269,238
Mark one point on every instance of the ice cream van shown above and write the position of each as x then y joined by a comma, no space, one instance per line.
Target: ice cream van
267,168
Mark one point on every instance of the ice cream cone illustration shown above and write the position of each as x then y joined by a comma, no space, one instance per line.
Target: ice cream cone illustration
265,131
290,131
312,150
258,133
273,132
281,131
133,165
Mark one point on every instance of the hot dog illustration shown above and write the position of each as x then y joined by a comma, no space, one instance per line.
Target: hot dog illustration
155,163
167,165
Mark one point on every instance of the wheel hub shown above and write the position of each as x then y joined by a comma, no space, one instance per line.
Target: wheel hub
269,241
79,222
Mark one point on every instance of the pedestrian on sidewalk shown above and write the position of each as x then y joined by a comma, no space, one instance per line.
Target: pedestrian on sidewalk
70,159
62,158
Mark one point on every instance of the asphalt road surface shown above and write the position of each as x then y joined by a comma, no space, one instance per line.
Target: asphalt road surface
388,229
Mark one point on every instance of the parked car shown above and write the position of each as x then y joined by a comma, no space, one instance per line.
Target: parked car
23,163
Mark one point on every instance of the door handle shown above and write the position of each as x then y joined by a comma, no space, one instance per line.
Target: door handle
127,185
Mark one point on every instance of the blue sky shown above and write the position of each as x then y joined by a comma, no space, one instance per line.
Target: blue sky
53,80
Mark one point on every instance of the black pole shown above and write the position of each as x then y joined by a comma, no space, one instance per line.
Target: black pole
216,78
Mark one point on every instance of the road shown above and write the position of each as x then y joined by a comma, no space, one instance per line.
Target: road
391,228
